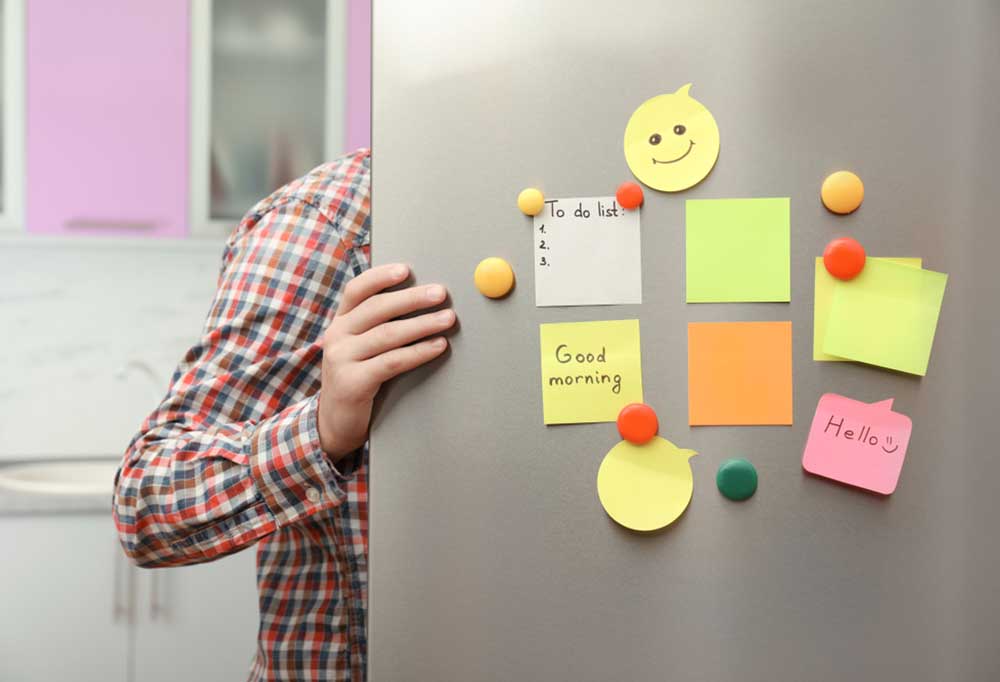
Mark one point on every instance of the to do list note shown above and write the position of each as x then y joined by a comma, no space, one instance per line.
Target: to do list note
587,252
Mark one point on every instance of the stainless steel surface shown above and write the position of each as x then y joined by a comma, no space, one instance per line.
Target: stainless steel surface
491,558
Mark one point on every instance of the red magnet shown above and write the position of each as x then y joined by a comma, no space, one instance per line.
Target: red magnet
844,258
637,423
629,195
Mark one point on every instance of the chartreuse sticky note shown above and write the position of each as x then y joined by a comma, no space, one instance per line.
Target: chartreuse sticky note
590,370
821,303
738,250
886,316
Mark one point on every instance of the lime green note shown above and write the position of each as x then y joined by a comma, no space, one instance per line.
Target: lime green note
590,370
821,305
886,316
738,250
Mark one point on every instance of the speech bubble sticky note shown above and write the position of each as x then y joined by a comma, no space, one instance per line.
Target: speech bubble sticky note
738,250
860,444
590,370
645,487
821,304
886,316
739,373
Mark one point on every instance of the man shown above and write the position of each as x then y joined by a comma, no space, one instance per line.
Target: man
261,437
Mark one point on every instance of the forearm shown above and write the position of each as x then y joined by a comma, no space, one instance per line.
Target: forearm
188,495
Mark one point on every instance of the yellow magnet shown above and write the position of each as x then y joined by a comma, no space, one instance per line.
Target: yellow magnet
494,277
842,192
531,201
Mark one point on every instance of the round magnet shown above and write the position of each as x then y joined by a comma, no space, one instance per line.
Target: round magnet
736,479
629,195
494,277
844,258
637,423
842,192
531,201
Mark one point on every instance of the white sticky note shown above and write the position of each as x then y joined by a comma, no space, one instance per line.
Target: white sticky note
587,252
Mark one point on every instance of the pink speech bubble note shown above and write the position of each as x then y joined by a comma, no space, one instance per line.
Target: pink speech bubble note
861,444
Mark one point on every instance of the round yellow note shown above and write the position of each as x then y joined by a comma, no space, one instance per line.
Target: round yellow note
645,487
671,141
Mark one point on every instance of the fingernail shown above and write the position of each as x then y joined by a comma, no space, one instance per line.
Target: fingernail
439,343
435,293
445,316
399,271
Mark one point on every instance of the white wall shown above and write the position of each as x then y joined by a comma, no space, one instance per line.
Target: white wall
72,314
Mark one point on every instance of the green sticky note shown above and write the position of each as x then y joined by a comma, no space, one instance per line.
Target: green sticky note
738,250
886,316
821,305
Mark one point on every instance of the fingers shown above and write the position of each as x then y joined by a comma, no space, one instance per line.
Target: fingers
369,283
397,333
384,307
388,365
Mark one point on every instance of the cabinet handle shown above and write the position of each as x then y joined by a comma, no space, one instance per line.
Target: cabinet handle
118,607
155,608
93,223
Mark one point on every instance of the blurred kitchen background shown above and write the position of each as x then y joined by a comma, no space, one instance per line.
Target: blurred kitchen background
133,137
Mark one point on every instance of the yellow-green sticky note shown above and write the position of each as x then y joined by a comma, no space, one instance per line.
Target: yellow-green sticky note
821,304
590,370
738,250
886,316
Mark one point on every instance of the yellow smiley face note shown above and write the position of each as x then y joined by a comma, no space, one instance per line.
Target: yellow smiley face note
671,141
590,370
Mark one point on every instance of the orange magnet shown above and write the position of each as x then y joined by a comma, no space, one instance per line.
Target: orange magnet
844,258
494,277
842,192
637,423
629,195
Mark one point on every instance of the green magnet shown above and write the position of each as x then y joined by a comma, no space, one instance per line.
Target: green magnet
737,479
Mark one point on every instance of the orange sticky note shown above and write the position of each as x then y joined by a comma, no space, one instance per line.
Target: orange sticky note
739,373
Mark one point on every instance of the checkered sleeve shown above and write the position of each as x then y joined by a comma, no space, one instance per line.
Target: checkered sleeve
232,453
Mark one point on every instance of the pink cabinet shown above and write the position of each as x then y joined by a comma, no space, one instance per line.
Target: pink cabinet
107,117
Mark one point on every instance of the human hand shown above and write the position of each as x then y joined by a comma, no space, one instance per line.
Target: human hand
366,346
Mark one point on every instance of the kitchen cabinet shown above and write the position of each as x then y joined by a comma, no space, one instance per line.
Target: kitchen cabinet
67,609
107,117
74,608
198,622
11,114
268,100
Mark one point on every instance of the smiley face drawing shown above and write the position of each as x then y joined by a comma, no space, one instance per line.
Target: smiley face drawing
671,141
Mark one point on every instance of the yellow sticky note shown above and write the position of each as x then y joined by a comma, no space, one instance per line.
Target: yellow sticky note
645,487
821,304
886,316
590,370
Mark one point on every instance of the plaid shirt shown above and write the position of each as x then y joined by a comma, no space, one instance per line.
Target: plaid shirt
231,457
